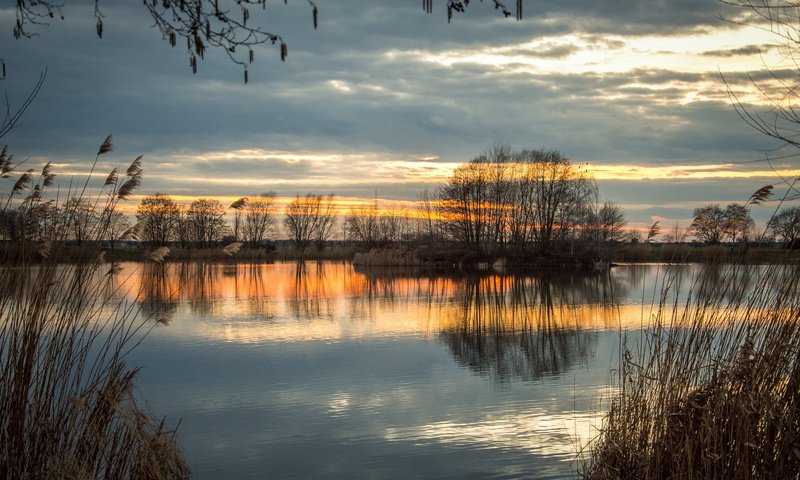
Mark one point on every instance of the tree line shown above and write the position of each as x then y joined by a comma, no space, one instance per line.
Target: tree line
505,201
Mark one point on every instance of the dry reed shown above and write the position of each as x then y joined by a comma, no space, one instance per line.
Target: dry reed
66,393
711,388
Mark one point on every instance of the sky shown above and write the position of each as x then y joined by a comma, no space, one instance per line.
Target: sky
384,100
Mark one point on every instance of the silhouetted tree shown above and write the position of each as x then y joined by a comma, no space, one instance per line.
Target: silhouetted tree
202,24
118,224
158,215
781,120
373,226
785,225
506,197
738,222
604,223
713,225
80,218
258,217
310,219
206,220
709,224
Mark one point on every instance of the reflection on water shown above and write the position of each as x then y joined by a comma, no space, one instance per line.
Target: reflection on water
520,328
321,370
304,301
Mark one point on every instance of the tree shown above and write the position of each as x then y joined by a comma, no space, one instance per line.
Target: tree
182,228
118,224
709,224
427,218
327,221
206,221
782,120
785,225
633,236
713,225
80,218
258,217
604,223
676,235
310,219
374,227
465,201
738,223
519,198
225,25
158,215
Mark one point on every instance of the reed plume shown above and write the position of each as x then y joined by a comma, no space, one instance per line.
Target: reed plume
66,393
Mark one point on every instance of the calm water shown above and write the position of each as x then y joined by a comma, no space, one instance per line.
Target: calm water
321,370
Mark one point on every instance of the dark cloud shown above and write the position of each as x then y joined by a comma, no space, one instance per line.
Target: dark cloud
362,85
748,50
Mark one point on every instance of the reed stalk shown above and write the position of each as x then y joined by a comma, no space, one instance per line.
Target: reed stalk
711,387
66,393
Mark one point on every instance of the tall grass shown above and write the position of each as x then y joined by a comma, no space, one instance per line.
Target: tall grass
66,394
711,388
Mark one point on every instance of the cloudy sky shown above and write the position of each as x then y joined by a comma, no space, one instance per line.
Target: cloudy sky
384,99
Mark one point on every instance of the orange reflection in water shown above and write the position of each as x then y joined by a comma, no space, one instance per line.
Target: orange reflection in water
250,303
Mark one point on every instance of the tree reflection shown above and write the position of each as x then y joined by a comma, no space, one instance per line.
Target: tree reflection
526,328
159,294
311,295
505,327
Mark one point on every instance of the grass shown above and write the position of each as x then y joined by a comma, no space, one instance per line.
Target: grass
66,393
711,388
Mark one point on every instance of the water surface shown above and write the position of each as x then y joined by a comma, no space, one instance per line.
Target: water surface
292,370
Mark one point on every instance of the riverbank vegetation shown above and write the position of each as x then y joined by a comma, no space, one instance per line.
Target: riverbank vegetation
711,387
521,207
67,396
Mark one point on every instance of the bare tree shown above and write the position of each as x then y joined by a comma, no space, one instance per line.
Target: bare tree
373,226
310,218
158,214
225,25
781,120
182,228
633,236
118,224
206,219
785,225
676,235
327,221
258,219
738,223
466,204
80,218
604,223
518,198
427,220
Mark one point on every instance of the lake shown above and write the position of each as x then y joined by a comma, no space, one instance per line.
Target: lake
289,370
